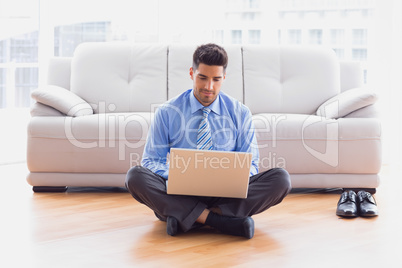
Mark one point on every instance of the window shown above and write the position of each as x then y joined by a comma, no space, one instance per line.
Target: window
359,54
18,69
236,37
24,48
3,95
294,37
315,36
68,37
359,37
343,25
253,3
26,80
19,24
337,36
3,53
254,36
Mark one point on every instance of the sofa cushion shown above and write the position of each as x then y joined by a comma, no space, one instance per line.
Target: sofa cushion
112,143
289,79
347,102
120,77
313,144
62,100
99,143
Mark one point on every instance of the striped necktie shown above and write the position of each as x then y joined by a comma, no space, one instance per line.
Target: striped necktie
204,140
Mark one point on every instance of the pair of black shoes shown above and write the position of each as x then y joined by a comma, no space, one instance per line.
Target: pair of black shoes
229,225
352,205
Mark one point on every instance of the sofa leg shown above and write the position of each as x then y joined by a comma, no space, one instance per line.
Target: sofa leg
370,190
49,189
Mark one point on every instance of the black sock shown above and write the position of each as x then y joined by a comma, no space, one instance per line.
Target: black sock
231,225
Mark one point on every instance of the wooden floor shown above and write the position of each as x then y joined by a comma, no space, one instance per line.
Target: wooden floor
108,228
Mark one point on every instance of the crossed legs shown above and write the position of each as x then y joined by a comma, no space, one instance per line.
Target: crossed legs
266,189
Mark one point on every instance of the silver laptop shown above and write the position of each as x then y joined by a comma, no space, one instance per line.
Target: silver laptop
209,173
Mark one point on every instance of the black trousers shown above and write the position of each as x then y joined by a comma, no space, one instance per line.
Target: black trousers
266,189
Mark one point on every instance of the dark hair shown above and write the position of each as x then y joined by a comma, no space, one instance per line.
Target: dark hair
210,54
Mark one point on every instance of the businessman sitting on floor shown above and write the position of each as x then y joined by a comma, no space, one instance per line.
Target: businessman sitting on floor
207,119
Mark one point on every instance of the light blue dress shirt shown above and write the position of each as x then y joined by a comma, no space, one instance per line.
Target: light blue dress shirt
175,125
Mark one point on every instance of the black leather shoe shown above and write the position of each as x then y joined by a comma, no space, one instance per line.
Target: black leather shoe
347,205
366,204
231,225
171,226
248,226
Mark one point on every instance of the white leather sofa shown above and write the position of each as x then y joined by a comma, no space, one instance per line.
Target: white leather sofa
312,115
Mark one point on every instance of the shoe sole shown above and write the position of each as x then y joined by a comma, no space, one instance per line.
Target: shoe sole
368,215
249,228
347,215
171,226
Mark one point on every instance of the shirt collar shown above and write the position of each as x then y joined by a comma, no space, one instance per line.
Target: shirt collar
196,105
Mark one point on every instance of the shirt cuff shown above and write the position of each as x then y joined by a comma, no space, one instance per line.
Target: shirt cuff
164,174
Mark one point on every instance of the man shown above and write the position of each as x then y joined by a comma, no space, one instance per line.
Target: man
176,124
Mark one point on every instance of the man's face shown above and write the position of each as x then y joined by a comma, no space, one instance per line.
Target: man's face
207,82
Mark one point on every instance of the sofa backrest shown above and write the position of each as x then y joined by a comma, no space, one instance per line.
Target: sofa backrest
289,79
124,77
120,77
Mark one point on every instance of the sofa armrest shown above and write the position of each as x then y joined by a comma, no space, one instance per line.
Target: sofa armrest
370,111
347,102
39,109
62,100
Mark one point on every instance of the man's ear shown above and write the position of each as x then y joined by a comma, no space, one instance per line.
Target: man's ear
191,73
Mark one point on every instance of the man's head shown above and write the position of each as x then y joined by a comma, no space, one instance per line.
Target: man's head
208,72
210,54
